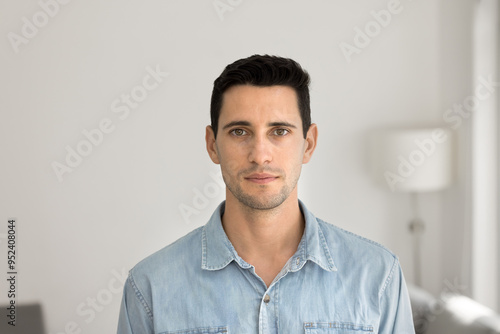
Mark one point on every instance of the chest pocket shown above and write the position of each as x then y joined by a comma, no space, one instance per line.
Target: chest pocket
203,330
336,327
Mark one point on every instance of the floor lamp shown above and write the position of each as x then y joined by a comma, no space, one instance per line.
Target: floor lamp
414,161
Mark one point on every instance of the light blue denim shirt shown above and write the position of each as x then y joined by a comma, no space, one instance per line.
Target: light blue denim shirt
336,282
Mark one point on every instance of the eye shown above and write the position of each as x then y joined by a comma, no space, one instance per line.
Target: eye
238,132
281,132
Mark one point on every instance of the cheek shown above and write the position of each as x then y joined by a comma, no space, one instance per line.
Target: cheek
294,155
230,161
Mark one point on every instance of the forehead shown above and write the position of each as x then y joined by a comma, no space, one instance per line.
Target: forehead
255,102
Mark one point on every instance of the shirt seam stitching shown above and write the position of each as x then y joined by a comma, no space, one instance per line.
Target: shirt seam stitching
203,248
326,250
390,276
140,296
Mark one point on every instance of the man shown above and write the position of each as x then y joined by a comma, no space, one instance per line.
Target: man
263,263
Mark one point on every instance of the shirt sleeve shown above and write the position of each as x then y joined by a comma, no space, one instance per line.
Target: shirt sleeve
135,314
396,314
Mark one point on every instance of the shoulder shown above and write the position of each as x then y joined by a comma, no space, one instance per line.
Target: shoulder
351,250
336,234
174,257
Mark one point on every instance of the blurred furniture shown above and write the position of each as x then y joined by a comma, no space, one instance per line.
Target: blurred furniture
451,313
29,320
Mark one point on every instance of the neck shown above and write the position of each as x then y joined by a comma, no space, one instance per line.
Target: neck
264,234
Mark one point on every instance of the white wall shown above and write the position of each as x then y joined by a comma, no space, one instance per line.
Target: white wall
122,202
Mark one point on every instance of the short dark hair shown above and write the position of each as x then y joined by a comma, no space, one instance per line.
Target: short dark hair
263,71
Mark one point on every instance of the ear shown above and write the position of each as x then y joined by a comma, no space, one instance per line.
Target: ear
311,140
211,145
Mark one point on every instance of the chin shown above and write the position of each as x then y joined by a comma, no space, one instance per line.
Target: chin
262,202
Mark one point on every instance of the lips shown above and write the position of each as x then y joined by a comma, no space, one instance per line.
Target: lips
261,178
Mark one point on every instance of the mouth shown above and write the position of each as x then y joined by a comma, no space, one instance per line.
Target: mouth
261,178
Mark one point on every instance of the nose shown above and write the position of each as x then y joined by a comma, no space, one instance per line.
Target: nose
260,150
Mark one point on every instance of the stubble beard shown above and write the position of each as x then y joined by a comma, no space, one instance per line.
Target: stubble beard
264,201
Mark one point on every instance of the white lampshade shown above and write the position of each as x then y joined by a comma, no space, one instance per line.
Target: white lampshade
413,160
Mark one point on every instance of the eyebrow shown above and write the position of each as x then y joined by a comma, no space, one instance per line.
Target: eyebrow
246,123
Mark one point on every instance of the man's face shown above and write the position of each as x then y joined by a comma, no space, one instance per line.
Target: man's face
260,144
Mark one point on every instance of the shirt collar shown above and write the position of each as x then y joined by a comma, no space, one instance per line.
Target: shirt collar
218,252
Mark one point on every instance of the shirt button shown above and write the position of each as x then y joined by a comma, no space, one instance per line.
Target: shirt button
297,261
267,299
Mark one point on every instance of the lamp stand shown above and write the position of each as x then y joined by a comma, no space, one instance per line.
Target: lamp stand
417,227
